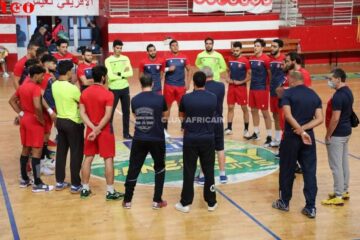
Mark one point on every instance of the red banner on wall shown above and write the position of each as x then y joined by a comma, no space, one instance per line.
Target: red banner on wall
252,6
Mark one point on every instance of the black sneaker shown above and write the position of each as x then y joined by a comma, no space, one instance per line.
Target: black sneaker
268,141
85,193
279,204
127,136
298,169
255,136
309,212
114,196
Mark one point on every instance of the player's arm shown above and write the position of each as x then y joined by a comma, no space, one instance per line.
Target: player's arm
222,64
111,76
247,79
198,62
38,109
188,77
335,117
51,112
128,71
86,81
14,103
85,117
316,121
296,126
104,120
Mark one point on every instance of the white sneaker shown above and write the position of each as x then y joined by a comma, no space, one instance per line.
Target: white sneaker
46,171
246,134
275,143
181,208
228,131
6,75
167,135
211,209
49,163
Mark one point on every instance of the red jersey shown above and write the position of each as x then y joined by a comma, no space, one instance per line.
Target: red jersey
26,93
19,66
85,69
306,76
238,68
67,57
96,98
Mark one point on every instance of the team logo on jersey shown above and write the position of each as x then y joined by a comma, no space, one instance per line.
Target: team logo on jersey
182,61
149,67
240,65
157,67
259,63
244,162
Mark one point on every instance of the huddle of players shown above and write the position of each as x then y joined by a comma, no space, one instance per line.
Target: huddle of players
175,66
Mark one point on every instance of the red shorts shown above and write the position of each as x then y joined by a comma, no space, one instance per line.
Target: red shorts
237,94
104,144
274,104
173,93
48,123
259,99
31,131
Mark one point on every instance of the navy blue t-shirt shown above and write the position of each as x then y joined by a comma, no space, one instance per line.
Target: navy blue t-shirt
199,108
217,88
343,100
148,108
303,102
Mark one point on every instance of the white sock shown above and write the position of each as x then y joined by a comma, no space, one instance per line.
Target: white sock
256,129
201,174
278,135
110,188
86,186
269,132
222,173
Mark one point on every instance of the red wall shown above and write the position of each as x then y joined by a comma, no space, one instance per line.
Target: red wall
322,38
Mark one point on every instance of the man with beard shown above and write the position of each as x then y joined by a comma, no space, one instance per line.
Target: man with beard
211,58
277,79
239,73
259,90
176,82
84,71
152,65
63,54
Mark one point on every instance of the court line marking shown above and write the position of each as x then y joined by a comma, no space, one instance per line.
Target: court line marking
14,228
247,214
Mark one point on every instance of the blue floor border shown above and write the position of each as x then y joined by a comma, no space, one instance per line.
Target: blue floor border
248,214
9,208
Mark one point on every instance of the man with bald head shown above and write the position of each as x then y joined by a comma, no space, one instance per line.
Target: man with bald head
303,111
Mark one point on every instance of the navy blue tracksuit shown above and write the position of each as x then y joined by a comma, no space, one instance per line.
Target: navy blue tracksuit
303,102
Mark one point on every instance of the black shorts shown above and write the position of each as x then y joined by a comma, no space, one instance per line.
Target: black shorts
219,136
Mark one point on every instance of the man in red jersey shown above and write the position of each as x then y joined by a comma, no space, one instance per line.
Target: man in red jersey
20,65
84,70
176,82
239,73
152,65
259,90
277,78
63,54
27,103
96,104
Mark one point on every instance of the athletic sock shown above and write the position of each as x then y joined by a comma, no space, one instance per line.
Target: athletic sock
23,163
246,126
229,125
277,135
269,132
110,188
222,173
256,129
86,186
36,170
